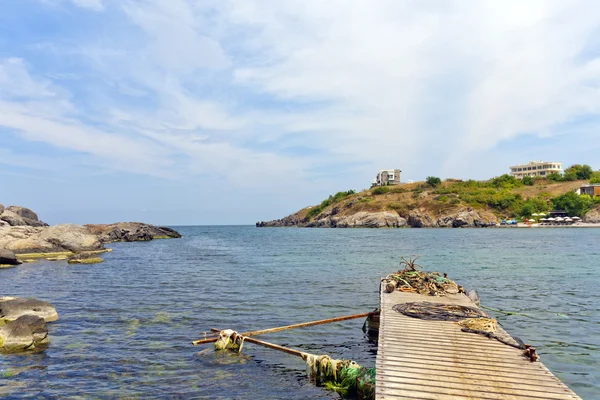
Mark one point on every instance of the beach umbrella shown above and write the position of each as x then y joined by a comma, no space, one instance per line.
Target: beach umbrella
535,214
542,214
559,219
568,220
550,219
576,218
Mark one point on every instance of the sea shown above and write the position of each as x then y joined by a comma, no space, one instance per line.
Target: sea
126,326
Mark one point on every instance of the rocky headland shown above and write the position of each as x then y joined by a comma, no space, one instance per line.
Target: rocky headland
24,237
449,204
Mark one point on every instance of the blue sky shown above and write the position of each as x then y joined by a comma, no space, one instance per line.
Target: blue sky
233,111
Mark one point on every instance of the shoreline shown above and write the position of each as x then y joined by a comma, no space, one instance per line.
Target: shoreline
579,225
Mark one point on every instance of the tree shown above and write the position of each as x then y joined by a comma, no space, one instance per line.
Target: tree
527,180
595,178
573,204
555,177
578,172
433,181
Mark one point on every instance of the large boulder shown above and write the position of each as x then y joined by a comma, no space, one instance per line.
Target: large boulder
26,333
420,219
23,212
8,257
592,216
14,219
54,239
11,308
71,237
130,232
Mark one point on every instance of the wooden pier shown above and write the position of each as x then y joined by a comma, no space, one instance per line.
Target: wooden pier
421,359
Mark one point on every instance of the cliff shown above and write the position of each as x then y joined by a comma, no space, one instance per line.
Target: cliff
453,203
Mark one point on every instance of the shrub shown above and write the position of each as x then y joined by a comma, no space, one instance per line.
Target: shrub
442,199
527,180
313,212
555,177
533,205
397,189
505,181
595,178
433,181
380,190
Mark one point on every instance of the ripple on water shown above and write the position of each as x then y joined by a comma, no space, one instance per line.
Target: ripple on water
126,325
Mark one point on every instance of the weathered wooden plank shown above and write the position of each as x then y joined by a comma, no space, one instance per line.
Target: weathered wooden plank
431,360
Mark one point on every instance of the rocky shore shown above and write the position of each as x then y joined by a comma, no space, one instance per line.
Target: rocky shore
417,218
24,237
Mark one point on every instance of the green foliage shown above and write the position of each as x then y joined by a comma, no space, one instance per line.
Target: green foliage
533,206
433,181
573,204
528,180
505,181
595,178
555,177
578,172
442,199
313,212
380,190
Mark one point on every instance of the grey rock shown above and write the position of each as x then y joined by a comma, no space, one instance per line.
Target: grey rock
13,308
473,295
130,232
1,208
592,216
26,333
8,257
14,219
23,212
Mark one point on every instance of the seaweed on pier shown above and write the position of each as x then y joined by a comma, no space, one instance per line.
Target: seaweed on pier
344,376
412,279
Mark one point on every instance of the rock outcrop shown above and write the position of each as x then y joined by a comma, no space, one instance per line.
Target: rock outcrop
592,216
83,258
130,232
11,308
26,333
8,257
420,218
20,216
290,220
55,239
384,219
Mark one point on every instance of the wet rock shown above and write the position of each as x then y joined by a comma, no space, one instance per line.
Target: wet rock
84,258
473,295
11,308
7,257
26,333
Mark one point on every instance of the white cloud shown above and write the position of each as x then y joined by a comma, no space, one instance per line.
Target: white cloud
95,5
416,85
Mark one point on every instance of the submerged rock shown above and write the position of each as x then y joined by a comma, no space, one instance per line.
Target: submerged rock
85,258
26,333
11,308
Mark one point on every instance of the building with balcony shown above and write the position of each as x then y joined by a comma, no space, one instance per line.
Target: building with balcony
536,168
387,177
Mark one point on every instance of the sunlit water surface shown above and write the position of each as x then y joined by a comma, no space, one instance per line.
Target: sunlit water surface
126,325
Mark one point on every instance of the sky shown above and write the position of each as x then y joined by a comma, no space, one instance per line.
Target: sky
185,112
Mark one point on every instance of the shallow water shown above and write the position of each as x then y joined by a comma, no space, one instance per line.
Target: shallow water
126,325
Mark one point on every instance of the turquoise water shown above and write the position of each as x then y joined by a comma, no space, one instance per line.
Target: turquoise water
126,325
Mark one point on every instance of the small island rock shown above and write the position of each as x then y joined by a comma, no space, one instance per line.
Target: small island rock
26,333
11,308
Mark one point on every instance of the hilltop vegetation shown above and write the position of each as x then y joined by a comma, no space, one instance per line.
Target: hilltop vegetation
435,200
